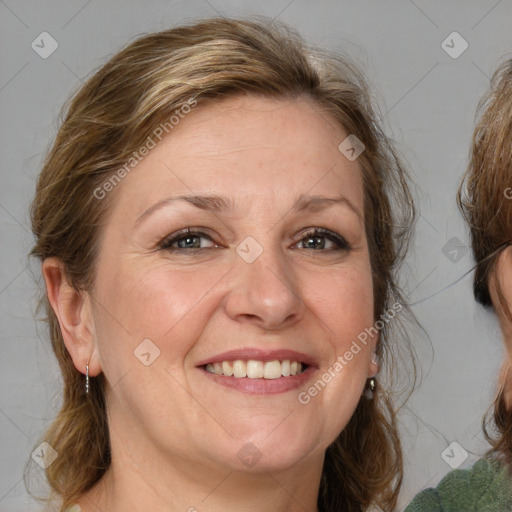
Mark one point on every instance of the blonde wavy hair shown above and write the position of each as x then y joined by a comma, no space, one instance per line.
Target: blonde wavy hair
112,115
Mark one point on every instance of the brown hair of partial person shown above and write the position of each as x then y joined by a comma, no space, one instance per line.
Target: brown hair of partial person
485,199
112,115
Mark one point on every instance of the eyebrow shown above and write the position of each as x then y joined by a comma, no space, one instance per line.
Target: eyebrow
319,203
216,204
219,204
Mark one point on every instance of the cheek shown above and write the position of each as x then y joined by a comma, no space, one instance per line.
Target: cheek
155,302
345,309
344,303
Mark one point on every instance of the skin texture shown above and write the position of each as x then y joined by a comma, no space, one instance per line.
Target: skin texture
503,273
175,434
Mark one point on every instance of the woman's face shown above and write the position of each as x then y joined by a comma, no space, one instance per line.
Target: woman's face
240,237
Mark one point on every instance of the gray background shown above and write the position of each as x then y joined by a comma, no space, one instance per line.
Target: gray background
429,101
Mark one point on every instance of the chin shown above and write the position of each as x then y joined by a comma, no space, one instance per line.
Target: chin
272,453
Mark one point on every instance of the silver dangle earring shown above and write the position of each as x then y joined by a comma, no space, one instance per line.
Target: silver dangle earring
87,377
372,385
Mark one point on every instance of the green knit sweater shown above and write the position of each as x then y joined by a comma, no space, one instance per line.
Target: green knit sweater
486,487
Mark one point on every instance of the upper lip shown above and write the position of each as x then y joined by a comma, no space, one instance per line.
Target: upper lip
255,354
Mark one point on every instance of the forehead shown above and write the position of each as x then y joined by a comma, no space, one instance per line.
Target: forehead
246,146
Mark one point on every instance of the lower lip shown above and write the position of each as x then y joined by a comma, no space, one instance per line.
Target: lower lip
262,386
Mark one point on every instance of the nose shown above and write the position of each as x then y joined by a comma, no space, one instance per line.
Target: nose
265,293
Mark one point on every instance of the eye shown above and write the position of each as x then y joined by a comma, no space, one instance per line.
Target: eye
321,239
187,240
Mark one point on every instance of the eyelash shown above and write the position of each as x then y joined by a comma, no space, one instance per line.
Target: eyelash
167,243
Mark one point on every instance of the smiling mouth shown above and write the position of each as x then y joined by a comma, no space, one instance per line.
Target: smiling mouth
253,369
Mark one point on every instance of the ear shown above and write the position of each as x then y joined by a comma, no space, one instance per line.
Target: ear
374,366
74,313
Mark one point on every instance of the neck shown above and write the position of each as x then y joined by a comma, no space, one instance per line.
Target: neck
142,481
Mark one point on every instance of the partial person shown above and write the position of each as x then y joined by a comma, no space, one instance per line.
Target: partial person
485,199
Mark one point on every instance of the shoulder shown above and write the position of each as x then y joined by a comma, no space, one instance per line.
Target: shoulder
485,487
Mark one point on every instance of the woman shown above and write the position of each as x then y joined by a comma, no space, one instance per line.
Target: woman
219,222
485,198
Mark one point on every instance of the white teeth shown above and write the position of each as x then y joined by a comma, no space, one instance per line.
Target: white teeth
239,369
272,370
285,368
253,369
227,368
